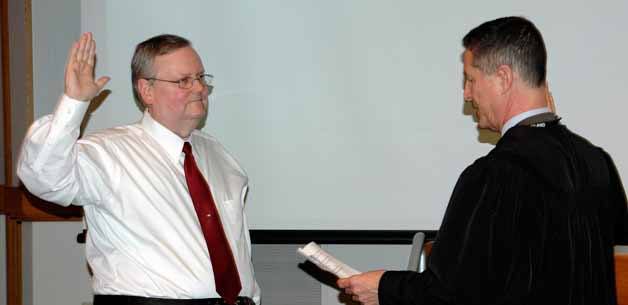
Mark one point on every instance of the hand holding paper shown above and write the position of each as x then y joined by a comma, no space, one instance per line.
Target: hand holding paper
326,261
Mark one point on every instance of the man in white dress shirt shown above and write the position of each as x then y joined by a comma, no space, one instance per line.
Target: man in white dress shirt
145,244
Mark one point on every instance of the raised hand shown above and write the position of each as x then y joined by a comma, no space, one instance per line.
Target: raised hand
79,70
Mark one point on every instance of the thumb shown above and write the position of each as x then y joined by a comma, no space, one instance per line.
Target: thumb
101,82
341,282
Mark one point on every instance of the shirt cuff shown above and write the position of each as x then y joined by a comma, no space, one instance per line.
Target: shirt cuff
69,113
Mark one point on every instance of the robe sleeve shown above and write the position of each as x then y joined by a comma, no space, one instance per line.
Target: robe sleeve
482,243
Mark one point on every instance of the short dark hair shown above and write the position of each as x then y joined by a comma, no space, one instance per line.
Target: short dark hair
144,56
513,41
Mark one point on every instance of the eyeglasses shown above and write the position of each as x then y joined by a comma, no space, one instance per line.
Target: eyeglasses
188,82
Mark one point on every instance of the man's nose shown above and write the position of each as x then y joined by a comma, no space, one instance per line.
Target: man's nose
198,86
467,94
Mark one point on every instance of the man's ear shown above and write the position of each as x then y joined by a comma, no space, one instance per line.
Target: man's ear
505,78
145,91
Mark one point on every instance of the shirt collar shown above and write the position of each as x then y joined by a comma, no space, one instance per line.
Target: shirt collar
522,116
168,140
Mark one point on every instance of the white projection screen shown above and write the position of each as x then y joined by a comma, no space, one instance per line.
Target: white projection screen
348,114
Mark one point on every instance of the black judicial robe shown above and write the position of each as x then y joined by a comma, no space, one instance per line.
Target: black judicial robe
533,222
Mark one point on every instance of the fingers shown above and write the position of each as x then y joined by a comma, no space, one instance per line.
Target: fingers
91,50
82,43
342,283
85,51
549,98
77,49
101,82
362,287
79,79
550,101
72,54
345,285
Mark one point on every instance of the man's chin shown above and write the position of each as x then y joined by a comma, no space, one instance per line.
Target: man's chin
197,109
487,128
482,125
197,115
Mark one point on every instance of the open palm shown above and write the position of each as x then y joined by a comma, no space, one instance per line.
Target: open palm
79,71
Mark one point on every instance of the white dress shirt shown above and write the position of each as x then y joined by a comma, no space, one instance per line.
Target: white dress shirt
144,237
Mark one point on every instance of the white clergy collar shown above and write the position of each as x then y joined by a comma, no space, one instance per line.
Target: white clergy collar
522,116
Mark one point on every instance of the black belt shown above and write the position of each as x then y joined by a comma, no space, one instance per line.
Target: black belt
101,299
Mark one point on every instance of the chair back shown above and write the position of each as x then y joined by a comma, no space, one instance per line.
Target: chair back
419,253
621,274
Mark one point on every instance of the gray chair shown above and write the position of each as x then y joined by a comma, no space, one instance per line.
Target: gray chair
418,255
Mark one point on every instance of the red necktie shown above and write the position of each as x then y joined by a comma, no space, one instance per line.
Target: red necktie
224,267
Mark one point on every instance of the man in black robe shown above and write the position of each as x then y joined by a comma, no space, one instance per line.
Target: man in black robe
532,222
